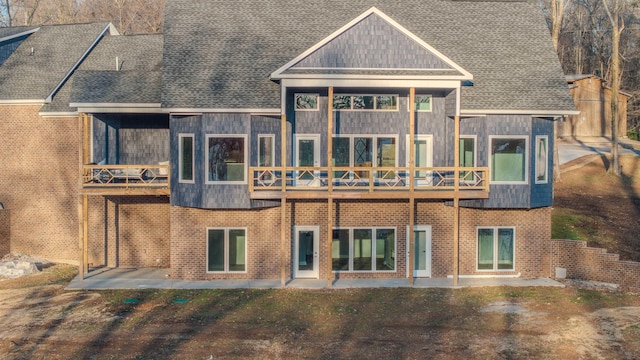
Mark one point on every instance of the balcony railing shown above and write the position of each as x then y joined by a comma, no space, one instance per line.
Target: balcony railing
126,177
368,179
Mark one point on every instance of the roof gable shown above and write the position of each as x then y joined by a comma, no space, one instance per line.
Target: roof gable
372,41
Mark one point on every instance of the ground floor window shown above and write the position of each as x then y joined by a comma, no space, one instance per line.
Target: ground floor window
364,249
226,250
496,248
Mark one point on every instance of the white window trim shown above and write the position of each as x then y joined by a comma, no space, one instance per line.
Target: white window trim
426,137
193,159
317,108
373,249
495,248
226,250
475,147
527,155
415,102
375,137
546,164
206,159
374,102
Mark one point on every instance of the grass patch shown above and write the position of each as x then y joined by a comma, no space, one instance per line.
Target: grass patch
570,226
59,274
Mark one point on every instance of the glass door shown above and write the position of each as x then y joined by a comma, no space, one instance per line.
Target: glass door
308,155
421,251
305,255
423,145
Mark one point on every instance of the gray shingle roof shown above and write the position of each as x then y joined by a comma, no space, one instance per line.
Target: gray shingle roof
219,54
42,61
140,60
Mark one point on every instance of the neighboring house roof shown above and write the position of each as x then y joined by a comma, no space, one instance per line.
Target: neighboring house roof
40,65
220,54
139,59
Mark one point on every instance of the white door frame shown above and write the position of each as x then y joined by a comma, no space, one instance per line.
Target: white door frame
310,274
316,158
428,254
429,139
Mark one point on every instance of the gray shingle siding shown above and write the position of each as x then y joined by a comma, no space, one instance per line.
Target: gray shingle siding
542,194
373,43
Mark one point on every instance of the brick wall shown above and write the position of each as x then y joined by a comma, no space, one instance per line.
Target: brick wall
188,236
129,231
5,232
594,264
38,182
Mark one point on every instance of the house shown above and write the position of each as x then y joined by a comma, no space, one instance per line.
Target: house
285,140
592,97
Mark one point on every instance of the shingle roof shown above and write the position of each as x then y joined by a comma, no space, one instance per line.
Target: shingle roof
127,86
219,54
42,61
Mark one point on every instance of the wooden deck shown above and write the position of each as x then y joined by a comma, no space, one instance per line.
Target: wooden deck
124,180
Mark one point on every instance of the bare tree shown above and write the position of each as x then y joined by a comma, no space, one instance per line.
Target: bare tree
617,25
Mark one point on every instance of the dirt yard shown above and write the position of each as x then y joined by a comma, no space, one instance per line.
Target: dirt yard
39,320
600,208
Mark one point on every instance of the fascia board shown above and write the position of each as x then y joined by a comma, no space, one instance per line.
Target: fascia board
11,37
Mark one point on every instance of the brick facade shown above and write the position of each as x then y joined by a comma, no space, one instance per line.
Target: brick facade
594,264
5,232
129,231
188,236
39,182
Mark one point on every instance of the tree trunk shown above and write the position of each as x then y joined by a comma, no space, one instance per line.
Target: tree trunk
615,79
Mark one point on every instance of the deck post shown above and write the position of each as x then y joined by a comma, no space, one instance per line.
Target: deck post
283,242
456,201
412,157
330,187
283,151
329,242
81,265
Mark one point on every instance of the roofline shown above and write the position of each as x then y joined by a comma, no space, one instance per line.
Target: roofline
23,102
115,105
534,113
373,82
375,77
121,110
191,111
58,114
112,30
373,10
27,32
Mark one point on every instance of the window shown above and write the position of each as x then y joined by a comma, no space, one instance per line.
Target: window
423,103
542,156
509,164
226,159
496,248
365,151
226,250
467,151
266,154
186,158
306,102
364,249
365,102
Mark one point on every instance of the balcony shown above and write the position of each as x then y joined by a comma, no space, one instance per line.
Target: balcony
125,180
368,183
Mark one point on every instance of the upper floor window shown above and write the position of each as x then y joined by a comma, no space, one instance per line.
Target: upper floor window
423,103
186,158
508,159
467,151
226,159
542,156
306,102
365,102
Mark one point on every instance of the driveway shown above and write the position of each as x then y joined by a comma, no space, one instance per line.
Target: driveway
573,148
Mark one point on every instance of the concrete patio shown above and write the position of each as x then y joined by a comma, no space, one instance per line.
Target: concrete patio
151,278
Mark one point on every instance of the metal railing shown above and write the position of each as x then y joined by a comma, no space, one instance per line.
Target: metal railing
368,178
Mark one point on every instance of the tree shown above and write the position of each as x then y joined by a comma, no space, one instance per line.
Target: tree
617,26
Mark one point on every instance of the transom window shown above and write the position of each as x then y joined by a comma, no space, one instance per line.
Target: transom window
363,249
226,250
365,102
226,159
508,159
306,102
423,103
496,248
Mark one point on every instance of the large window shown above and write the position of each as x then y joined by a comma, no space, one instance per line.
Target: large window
226,159
186,165
306,102
496,248
226,250
508,159
542,159
364,249
365,102
365,151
